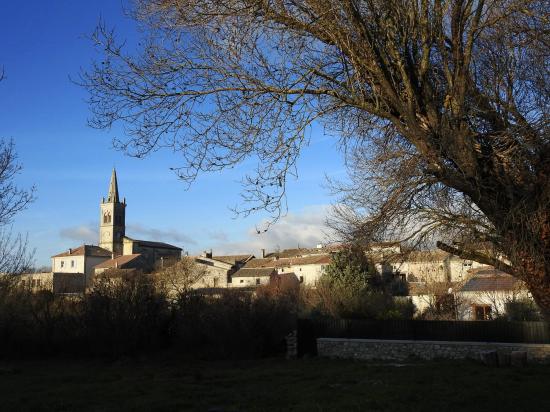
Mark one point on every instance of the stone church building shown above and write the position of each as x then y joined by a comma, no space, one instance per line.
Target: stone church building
115,250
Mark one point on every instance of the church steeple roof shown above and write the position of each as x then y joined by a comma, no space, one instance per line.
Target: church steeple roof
112,197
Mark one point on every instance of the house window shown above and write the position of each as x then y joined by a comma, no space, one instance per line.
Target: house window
242,281
301,279
482,312
72,263
257,281
62,263
215,282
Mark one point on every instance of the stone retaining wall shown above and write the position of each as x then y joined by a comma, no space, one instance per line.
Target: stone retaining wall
403,349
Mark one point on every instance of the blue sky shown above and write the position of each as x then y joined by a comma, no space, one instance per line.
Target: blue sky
41,45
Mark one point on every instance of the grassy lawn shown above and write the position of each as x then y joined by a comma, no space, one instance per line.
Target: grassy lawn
168,384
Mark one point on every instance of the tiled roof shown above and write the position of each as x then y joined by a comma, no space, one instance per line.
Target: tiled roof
117,262
86,250
260,263
486,271
233,259
285,262
303,252
158,245
253,272
288,253
502,282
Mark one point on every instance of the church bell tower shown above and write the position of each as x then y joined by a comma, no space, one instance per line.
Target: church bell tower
112,220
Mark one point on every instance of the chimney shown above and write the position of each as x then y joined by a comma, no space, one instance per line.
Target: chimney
70,251
263,253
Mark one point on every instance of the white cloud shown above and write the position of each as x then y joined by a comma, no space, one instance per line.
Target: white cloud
84,233
218,235
89,234
305,228
149,233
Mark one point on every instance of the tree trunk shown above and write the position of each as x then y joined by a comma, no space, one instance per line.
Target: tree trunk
536,274
532,259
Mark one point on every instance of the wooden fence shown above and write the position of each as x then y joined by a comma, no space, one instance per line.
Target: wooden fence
466,331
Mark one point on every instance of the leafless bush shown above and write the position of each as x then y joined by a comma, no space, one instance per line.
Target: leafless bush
233,324
179,278
125,315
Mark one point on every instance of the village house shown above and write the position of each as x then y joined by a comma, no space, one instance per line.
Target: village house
219,269
482,294
433,266
252,276
80,260
55,282
486,293
307,269
435,276
123,262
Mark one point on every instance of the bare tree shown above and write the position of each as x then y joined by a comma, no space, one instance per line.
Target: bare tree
447,98
15,257
179,278
12,199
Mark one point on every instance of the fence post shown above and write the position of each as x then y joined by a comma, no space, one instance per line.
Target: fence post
292,345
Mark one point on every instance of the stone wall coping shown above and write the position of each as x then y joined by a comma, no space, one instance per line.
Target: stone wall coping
437,342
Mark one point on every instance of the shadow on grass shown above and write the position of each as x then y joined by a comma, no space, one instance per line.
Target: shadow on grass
173,383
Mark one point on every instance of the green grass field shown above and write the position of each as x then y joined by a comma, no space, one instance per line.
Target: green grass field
168,384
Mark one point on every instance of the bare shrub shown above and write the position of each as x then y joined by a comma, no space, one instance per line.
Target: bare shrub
124,316
233,324
178,279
